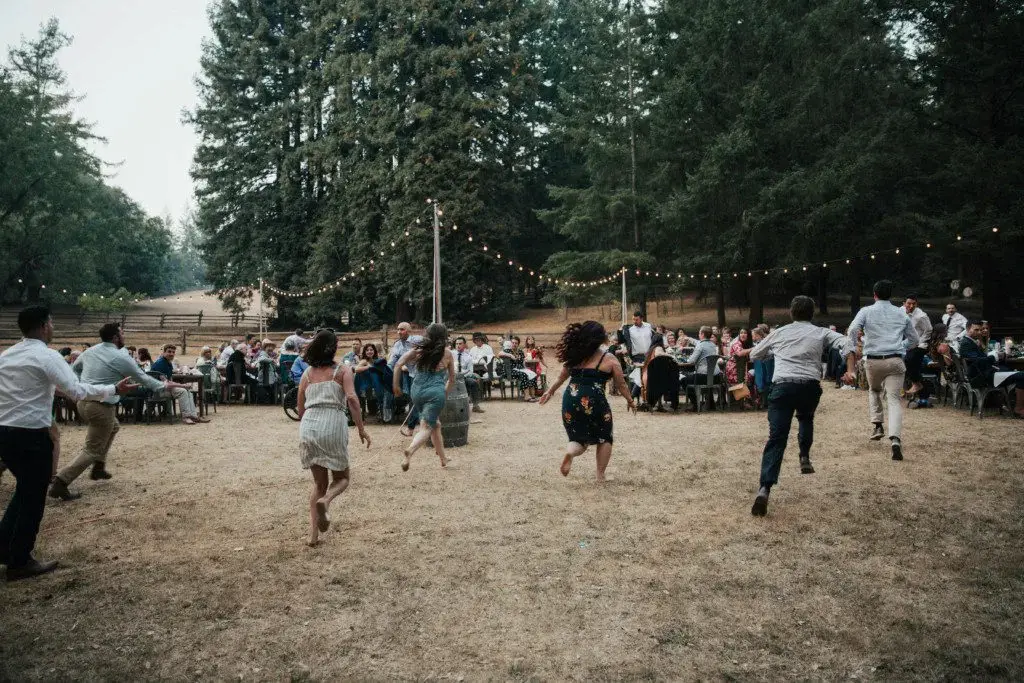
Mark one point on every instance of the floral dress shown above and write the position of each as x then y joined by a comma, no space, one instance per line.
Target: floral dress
586,415
731,371
521,374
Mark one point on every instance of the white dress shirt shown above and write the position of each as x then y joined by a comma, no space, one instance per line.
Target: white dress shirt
29,374
481,355
923,327
464,360
956,326
222,361
640,338
887,329
798,349
104,363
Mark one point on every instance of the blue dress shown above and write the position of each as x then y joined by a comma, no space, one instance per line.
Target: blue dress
428,394
586,415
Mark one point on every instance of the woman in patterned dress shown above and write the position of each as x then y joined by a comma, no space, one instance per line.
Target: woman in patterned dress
524,377
324,390
586,415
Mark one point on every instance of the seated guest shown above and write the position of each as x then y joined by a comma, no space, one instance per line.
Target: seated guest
298,367
254,352
705,347
725,345
981,367
985,340
267,357
205,357
131,351
65,352
372,372
144,360
353,356
270,348
684,342
653,395
736,366
72,357
298,341
526,378
465,367
165,366
481,354
225,353
534,353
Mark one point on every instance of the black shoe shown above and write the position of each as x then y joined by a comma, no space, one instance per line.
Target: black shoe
805,465
897,451
99,471
878,433
33,568
760,507
59,489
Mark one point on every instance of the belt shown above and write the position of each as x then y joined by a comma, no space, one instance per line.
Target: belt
891,355
786,380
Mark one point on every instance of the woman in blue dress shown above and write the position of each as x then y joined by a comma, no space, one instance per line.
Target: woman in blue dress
435,377
586,415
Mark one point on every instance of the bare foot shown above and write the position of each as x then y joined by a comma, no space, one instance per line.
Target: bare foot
444,461
405,463
916,388
323,522
602,479
187,421
313,541
566,465
405,431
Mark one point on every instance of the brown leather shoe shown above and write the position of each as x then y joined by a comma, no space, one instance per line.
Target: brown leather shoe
33,568
59,489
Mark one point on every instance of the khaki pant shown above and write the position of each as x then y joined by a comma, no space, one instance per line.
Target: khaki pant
185,403
886,375
103,427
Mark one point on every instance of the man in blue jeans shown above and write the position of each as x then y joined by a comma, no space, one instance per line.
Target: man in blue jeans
796,388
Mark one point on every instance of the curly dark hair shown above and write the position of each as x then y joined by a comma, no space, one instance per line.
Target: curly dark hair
320,352
367,347
579,342
432,347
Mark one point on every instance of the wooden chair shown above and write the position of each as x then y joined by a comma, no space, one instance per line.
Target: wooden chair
237,379
505,379
211,394
714,388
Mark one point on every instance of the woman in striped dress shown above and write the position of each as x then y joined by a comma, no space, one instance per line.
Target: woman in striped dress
324,390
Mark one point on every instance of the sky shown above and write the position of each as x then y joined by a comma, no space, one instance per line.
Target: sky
134,61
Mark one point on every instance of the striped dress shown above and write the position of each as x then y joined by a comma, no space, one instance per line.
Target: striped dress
323,432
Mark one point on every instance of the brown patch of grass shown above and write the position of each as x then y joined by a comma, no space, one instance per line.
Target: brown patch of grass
502,570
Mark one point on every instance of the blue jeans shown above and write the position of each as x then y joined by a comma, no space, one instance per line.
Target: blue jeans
372,380
784,399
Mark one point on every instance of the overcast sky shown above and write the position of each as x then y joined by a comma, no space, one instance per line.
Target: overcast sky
134,61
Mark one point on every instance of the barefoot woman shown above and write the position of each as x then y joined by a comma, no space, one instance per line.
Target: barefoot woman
323,432
435,377
586,415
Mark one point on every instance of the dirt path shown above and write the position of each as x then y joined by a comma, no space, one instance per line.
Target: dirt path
189,564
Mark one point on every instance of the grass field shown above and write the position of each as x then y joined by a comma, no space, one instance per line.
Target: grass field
190,563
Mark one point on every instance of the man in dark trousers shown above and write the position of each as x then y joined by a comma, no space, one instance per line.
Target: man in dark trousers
29,374
796,387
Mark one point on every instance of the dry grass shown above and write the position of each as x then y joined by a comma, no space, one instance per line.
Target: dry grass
189,564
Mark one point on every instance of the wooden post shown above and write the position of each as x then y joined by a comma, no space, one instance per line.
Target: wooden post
384,335
199,322
720,296
756,314
162,316
184,341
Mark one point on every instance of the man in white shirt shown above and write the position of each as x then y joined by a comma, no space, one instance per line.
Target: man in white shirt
888,333
297,339
915,355
222,360
636,338
102,364
481,354
956,323
796,388
29,374
464,367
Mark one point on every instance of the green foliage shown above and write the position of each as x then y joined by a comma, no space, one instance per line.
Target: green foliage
63,230
115,302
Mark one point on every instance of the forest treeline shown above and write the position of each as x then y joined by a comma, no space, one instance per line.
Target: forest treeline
65,230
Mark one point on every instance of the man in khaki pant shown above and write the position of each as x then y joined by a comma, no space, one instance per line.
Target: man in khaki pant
888,333
109,361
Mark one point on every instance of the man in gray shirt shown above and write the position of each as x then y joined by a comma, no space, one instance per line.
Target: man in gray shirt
403,345
796,387
104,363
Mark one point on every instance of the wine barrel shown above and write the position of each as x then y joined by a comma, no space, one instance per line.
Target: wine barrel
455,416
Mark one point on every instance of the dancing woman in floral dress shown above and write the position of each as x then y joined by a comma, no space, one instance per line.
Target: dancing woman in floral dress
586,415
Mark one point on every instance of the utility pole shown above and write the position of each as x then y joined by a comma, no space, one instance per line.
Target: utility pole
437,264
262,335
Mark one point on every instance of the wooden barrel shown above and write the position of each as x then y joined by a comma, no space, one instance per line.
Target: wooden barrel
455,416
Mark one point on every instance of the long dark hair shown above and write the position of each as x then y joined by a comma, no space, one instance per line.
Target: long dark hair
367,347
432,347
579,342
320,352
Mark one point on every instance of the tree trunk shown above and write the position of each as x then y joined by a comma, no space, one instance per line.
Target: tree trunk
855,287
823,291
632,127
756,300
720,296
403,311
994,299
